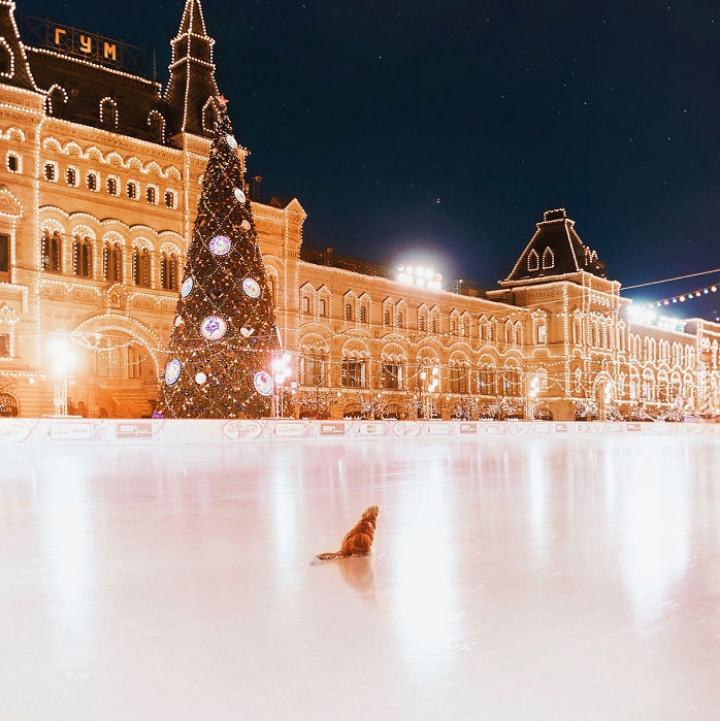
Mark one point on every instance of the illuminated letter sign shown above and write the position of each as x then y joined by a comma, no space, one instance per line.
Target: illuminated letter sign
59,33
110,51
85,44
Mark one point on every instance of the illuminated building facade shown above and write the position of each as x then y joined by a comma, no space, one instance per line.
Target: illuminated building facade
100,173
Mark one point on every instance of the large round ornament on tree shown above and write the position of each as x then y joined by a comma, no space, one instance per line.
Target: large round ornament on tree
251,287
239,195
172,371
230,140
263,383
186,287
220,245
213,327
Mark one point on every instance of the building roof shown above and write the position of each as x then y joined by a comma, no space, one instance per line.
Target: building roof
84,85
78,86
554,250
327,257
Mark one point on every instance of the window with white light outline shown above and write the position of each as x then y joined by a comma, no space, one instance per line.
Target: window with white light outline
13,162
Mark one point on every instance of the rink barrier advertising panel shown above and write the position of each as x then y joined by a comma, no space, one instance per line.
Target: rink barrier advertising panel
105,431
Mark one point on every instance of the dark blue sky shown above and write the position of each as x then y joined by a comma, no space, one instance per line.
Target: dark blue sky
452,126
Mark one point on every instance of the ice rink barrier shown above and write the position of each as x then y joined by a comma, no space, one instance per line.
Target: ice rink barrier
53,432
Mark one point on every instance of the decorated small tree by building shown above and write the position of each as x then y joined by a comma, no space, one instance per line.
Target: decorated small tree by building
224,334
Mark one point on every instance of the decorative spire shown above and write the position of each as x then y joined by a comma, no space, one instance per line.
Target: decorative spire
192,74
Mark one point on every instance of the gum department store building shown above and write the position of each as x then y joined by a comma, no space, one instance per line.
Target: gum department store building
100,174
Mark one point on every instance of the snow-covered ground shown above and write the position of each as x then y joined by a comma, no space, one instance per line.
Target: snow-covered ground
572,578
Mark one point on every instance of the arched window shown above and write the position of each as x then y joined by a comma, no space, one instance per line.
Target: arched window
156,126
548,258
6,60
399,320
421,323
52,251
169,198
386,317
141,267
305,305
91,181
112,262
8,402
132,190
348,311
108,113
209,117
82,257
112,186
533,262
50,172
57,102
363,314
151,195
13,163
486,381
71,177
169,271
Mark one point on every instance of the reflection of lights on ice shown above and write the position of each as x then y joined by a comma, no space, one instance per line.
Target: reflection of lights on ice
655,535
425,611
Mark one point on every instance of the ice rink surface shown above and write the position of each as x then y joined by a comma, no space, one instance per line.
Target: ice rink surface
544,578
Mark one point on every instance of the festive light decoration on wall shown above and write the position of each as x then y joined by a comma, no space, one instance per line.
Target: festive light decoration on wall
224,333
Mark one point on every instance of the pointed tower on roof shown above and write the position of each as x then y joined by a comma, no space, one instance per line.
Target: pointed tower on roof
554,250
192,76
14,68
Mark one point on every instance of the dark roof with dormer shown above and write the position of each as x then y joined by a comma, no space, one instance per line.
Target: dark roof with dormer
85,85
192,73
77,87
554,250
14,69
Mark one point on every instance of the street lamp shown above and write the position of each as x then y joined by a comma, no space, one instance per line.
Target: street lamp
533,390
281,372
63,364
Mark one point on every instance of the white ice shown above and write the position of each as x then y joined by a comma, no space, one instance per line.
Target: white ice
546,578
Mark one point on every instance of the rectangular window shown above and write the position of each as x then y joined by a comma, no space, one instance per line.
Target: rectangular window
353,373
312,371
4,345
322,307
305,305
459,379
542,334
4,253
391,376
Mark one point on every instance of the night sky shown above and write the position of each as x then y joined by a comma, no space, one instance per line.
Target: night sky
405,125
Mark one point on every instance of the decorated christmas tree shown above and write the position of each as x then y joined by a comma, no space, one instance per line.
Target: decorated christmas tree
224,334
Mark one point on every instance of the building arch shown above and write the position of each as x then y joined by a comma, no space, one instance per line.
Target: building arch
137,331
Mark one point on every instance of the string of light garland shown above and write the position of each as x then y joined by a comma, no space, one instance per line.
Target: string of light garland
682,298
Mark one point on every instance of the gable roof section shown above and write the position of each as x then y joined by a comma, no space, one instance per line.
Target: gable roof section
554,250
